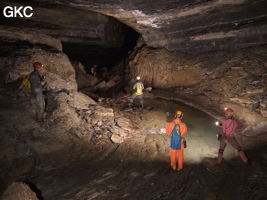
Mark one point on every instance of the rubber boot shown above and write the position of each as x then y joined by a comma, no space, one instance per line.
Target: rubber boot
243,156
220,156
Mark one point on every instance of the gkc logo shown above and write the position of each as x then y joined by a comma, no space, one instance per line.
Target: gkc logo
15,11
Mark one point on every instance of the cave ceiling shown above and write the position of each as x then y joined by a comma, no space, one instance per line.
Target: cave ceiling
99,29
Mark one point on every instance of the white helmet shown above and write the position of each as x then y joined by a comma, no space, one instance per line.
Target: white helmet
138,77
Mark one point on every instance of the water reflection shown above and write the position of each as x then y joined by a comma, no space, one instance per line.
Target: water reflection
201,137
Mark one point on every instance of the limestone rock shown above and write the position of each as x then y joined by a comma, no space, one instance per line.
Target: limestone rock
241,100
116,78
81,101
19,191
116,139
101,85
110,83
32,36
83,79
57,69
254,91
92,80
264,113
57,83
124,123
173,25
104,112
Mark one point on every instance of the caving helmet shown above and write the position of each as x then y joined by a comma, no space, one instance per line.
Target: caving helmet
37,65
228,112
138,77
179,114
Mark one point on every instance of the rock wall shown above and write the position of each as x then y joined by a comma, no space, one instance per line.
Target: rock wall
18,57
188,26
209,81
75,125
19,190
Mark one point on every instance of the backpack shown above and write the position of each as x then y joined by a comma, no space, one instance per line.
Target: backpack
139,89
26,82
176,137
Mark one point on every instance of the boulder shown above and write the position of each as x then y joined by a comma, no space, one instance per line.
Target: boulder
80,100
19,191
116,139
110,83
92,80
83,79
101,85
264,113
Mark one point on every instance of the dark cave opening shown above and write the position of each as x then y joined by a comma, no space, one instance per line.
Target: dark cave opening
103,56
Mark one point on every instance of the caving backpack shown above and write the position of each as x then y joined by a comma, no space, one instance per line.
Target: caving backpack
139,89
176,137
26,82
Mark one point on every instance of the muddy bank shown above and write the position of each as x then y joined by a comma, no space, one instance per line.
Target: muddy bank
77,158
138,168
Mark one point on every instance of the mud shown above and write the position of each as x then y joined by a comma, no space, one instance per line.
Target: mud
138,168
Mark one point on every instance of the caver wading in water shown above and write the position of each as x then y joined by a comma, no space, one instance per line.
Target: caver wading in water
229,126
37,83
138,86
177,148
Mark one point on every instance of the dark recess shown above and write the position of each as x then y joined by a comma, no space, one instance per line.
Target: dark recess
104,57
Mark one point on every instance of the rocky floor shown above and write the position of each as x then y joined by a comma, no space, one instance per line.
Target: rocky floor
138,168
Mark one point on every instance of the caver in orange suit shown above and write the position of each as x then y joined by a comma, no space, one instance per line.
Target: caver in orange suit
183,131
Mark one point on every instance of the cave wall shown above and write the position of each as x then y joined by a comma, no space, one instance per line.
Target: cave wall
75,124
209,81
189,26
18,56
194,27
82,34
163,69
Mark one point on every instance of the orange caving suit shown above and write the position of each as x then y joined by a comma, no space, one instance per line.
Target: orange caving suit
180,152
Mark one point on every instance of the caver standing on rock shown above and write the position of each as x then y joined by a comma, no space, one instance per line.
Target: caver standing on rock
177,130
37,83
229,126
138,86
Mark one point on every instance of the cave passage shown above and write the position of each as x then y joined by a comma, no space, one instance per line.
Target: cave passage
201,138
139,167
103,56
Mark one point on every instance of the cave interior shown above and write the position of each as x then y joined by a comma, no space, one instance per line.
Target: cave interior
199,55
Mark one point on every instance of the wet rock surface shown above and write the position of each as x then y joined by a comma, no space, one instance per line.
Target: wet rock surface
209,81
72,154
